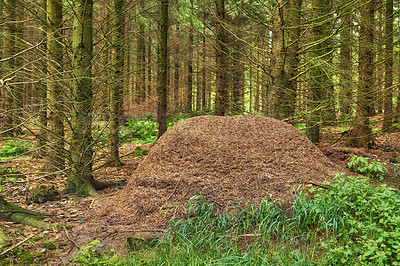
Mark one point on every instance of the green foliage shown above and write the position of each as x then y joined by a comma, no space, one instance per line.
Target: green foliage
368,167
89,255
350,223
302,127
369,228
14,148
145,130
140,130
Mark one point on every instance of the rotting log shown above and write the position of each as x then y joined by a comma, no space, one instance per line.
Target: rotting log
16,214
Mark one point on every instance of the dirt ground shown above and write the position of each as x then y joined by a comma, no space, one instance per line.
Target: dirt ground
228,159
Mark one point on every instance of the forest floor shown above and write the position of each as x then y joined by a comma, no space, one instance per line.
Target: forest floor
70,213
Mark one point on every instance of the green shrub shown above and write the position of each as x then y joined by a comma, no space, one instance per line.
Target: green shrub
14,148
367,167
369,228
144,131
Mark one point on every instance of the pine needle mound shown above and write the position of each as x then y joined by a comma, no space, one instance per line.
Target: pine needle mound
225,159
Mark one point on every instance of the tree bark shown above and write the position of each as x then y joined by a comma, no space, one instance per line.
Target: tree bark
189,92
116,91
163,76
320,84
41,88
80,177
346,83
55,152
388,109
360,135
221,93
177,69
10,31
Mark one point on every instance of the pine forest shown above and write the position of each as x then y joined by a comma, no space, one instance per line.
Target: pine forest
185,132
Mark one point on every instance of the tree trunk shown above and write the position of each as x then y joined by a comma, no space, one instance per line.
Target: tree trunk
346,83
204,74
56,153
116,90
198,88
388,110
10,31
360,134
2,87
294,34
141,59
41,88
221,93
177,67
149,66
163,75
321,56
80,177
189,92
277,67
18,89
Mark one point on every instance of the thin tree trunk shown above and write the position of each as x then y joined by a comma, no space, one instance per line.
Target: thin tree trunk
346,84
204,74
176,78
149,66
116,91
10,30
189,92
221,93
56,153
388,110
198,88
2,87
163,75
42,86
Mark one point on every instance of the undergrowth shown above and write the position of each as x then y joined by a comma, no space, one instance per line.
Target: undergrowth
145,130
368,167
352,222
14,148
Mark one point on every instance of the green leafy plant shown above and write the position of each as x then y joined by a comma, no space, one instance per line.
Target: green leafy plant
14,148
143,131
368,167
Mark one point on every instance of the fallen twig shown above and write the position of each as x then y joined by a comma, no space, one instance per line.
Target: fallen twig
72,241
16,245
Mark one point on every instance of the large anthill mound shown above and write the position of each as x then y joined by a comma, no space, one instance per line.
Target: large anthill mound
238,159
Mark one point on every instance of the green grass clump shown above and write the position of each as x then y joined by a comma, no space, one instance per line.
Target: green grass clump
14,148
